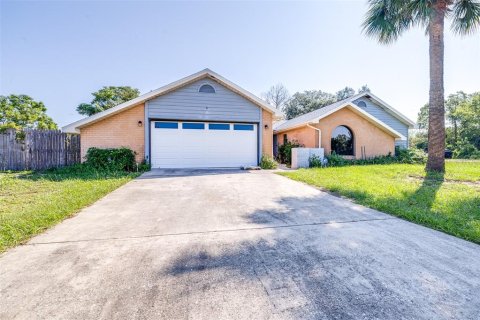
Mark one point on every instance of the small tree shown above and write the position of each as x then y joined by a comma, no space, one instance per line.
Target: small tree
276,96
22,112
106,98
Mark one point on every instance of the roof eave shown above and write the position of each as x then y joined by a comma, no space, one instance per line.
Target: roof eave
75,126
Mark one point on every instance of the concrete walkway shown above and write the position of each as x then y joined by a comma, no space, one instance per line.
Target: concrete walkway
237,245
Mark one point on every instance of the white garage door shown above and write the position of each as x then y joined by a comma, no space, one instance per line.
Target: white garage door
203,144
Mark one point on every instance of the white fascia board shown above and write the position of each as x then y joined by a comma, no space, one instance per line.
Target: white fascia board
74,127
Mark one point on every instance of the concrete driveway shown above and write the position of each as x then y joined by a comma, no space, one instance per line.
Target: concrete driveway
237,245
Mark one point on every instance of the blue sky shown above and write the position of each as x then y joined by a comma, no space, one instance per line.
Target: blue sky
60,52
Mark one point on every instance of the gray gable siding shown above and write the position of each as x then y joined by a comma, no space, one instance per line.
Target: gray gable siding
187,103
384,116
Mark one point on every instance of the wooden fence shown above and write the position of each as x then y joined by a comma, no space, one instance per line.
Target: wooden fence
38,149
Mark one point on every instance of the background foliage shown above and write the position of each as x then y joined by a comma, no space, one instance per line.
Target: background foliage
106,98
22,112
310,100
463,126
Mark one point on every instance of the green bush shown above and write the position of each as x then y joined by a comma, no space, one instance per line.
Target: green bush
410,155
268,163
466,150
115,159
314,161
401,156
285,151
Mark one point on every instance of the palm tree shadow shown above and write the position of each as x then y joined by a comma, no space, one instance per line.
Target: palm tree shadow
426,193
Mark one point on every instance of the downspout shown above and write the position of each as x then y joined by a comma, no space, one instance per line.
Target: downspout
319,133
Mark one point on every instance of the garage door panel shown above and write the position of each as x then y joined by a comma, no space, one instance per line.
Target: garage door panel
198,148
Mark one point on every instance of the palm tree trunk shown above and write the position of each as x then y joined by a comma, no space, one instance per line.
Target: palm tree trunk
436,123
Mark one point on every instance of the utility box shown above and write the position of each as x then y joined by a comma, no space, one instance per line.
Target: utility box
300,156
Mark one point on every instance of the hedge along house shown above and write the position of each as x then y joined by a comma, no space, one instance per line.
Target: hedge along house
200,121
362,126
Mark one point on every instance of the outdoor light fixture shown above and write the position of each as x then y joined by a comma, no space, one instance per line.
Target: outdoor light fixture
266,126
140,123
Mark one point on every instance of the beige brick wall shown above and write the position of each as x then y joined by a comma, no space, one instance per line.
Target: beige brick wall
120,130
376,141
267,134
304,135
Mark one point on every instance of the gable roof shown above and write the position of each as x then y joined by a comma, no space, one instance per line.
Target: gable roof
316,115
206,73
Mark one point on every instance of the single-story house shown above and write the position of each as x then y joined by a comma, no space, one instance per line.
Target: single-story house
203,120
361,126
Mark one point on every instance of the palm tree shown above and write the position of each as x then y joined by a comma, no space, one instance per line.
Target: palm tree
386,20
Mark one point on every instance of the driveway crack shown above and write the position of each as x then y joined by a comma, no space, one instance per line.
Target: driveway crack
160,235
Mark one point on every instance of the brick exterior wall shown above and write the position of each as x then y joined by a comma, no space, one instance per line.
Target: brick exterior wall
305,135
376,141
267,134
119,130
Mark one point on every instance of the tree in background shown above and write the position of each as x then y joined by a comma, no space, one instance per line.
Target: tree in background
422,117
363,89
463,125
22,112
106,98
277,96
307,101
387,20
345,93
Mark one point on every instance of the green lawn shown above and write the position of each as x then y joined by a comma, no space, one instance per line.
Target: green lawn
450,203
32,202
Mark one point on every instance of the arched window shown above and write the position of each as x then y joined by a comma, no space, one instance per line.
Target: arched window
342,141
362,104
206,88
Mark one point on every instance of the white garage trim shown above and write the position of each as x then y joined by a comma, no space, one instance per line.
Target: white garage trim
190,144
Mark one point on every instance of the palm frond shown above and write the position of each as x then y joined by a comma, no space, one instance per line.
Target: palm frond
386,20
420,10
466,16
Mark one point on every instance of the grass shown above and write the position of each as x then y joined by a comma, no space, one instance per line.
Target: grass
31,202
450,202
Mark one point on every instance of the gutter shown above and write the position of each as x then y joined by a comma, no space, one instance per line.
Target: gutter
319,133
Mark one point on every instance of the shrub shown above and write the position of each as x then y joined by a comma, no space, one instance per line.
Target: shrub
335,160
115,159
410,155
285,151
401,156
314,161
267,162
466,150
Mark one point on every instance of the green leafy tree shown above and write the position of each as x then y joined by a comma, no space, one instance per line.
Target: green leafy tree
386,20
22,112
363,89
467,114
106,98
307,101
422,117
345,93
451,104
463,124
